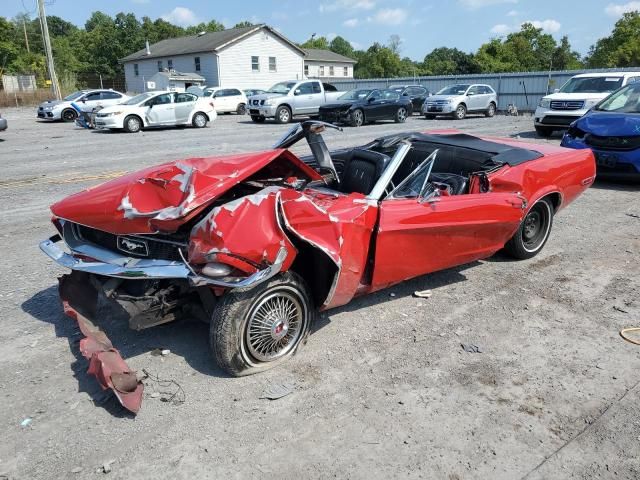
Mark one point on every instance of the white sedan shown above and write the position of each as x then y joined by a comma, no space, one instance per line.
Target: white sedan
157,109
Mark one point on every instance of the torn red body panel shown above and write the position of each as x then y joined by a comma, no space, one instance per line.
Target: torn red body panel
105,363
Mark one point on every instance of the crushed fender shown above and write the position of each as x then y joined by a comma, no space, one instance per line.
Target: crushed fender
79,300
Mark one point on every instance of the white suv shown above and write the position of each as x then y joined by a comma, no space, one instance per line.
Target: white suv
558,110
225,99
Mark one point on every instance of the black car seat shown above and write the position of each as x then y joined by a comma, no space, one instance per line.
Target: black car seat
362,169
458,183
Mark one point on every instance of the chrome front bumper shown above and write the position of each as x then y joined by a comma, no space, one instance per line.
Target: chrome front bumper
99,261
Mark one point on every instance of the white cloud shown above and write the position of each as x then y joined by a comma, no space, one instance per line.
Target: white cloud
181,16
512,13
389,16
331,36
501,29
140,1
549,25
335,5
483,3
351,22
617,10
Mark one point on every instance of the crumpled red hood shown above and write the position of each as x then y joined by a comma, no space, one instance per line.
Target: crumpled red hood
162,198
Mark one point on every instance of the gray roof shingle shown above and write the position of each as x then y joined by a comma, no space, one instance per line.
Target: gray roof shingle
208,42
320,55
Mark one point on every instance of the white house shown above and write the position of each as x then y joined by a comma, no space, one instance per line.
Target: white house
174,81
249,57
327,65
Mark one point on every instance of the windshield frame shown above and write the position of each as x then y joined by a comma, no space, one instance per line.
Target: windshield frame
580,80
466,85
74,96
635,86
355,90
143,97
287,85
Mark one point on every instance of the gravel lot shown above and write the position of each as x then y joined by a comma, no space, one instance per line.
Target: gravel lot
383,388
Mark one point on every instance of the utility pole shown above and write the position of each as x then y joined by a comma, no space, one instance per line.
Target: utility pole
26,38
47,50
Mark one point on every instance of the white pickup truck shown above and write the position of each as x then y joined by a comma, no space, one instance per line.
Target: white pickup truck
285,100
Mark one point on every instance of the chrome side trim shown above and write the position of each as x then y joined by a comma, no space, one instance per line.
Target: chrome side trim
111,264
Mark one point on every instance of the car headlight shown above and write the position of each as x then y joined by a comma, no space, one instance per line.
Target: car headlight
545,103
47,108
590,103
268,101
111,114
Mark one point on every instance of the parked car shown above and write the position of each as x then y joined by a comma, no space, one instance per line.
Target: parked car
253,91
226,100
257,243
459,99
157,109
286,100
3,124
558,110
358,107
416,93
611,129
86,99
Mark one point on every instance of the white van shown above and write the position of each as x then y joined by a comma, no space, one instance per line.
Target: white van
558,110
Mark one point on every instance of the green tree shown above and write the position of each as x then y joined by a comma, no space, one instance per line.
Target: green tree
341,46
243,24
564,58
317,42
450,61
621,48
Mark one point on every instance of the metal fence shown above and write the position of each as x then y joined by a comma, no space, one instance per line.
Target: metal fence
524,90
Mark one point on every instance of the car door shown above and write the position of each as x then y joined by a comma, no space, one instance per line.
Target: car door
418,96
184,104
390,104
474,98
307,98
161,110
234,99
374,107
90,101
418,235
220,100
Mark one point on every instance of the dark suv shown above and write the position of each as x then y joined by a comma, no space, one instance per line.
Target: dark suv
416,93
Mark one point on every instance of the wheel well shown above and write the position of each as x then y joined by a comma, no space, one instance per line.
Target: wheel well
463,104
69,109
316,268
556,200
199,111
134,115
284,105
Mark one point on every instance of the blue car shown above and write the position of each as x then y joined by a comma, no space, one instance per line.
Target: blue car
612,130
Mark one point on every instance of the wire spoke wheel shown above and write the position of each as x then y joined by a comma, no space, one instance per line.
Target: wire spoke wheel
275,326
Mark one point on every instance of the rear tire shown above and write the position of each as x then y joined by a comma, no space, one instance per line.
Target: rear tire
356,118
283,115
429,117
491,110
533,232
401,115
132,124
246,323
257,118
242,109
199,120
545,132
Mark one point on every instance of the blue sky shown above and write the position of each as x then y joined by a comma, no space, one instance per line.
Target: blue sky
422,25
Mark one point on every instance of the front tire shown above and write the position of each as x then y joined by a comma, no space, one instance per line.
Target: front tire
429,117
283,115
357,118
401,115
257,328
460,113
242,109
132,124
545,132
199,120
533,233
69,115
257,118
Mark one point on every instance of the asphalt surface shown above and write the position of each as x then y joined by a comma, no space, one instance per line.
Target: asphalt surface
383,388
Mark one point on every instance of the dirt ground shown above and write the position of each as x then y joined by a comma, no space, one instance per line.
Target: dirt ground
383,388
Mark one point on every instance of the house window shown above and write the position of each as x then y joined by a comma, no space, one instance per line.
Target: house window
331,71
306,70
321,70
159,65
136,72
345,71
255,64
197,61
170,64
272,64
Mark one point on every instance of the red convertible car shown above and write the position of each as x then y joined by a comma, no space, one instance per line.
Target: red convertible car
256,243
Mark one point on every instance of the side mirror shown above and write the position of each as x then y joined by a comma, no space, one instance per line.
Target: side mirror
556,90
431,197
297,91
84,100
371,99
470,94
405,94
